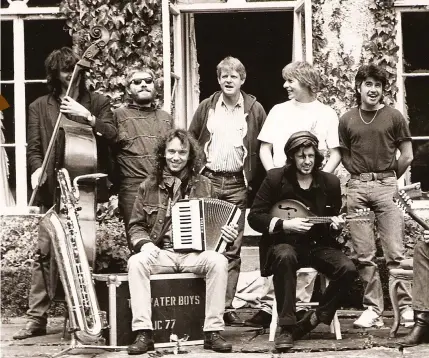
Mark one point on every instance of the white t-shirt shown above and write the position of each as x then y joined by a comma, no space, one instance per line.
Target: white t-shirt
291,116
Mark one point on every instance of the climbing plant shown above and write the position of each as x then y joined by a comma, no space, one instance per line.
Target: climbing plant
136,38
380,48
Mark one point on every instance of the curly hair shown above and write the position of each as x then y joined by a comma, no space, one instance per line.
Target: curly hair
187,140
318,161
365,71
63,59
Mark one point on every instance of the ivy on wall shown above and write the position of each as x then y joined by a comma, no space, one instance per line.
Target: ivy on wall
381,48
136,38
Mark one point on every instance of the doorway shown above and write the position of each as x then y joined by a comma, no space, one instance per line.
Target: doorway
262,41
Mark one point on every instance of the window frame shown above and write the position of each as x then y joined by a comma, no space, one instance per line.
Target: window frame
18,16
182,93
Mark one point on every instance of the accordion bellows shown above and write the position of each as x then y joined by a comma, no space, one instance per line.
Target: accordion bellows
197,223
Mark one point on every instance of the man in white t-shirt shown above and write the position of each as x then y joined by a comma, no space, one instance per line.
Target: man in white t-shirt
302,112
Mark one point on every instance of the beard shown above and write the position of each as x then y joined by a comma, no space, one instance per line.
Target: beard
144,97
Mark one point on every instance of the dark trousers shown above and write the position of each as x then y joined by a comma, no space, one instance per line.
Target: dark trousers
286,259
128,191
421,274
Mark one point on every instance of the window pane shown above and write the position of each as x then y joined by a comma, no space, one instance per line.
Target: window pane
415,27
33,3
6,50
38,47
417,91
9,113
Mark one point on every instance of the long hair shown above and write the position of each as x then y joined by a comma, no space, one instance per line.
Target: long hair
186,138
63,59
318,161
365,71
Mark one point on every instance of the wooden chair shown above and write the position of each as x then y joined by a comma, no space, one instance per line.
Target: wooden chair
399,276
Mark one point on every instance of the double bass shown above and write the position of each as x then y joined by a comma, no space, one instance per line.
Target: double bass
77,150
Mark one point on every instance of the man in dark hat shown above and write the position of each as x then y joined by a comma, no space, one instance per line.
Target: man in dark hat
289,243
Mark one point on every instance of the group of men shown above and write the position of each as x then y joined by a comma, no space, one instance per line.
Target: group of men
229,142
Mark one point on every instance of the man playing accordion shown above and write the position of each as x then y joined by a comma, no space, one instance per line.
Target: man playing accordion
174,178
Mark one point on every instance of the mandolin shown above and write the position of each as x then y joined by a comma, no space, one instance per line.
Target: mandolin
290,209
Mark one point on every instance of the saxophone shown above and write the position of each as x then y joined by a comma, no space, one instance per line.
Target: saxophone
86,319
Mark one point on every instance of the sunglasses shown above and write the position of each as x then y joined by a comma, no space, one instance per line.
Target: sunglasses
138,81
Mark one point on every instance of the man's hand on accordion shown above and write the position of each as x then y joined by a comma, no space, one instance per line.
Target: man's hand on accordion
229,232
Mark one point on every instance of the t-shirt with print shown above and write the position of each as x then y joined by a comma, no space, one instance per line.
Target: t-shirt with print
292,116
371,147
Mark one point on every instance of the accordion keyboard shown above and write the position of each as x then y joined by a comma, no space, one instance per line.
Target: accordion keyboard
197,223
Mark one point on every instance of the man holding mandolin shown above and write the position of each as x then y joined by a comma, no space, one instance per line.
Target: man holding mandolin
290,242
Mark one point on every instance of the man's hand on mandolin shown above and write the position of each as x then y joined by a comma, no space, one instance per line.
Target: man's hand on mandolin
338,222
300,225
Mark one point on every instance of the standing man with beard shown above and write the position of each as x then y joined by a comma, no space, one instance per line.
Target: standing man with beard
227,125
81,106
370,137
140,126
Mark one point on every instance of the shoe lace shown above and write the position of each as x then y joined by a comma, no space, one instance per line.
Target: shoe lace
216,336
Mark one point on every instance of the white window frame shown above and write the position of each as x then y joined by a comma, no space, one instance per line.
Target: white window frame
18,16
184,97
403,6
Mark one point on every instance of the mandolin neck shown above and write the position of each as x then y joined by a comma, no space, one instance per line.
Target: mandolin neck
319,219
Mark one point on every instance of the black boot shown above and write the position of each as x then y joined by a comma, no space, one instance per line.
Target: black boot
420,331
214,341
306,325
142,343
284,341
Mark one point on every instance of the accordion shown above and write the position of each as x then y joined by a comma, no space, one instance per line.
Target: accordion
197,223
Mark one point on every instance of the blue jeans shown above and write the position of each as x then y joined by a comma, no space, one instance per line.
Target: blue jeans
377,195
420,280
231,188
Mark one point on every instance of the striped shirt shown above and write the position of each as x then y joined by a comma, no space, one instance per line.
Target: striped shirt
225,151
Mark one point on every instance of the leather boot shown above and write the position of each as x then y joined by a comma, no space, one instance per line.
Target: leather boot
142,344
214,341
420,331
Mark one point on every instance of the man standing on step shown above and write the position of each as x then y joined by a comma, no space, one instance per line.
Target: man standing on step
226,126
289,244
370,137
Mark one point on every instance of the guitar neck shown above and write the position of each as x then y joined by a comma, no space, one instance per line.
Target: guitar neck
419,220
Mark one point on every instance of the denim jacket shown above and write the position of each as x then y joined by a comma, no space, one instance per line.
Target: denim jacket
151,206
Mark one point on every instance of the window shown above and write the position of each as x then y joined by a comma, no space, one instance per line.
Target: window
413,84
24,31
182,88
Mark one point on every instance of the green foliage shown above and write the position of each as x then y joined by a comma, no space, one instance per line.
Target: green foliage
382,47
135,38
338,82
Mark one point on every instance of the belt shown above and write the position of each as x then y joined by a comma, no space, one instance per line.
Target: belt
222,173
373,176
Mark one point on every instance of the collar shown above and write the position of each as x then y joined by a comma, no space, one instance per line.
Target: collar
290,176
141,108
240,102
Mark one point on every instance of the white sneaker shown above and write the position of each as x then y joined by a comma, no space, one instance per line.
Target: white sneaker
369,319
407,317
